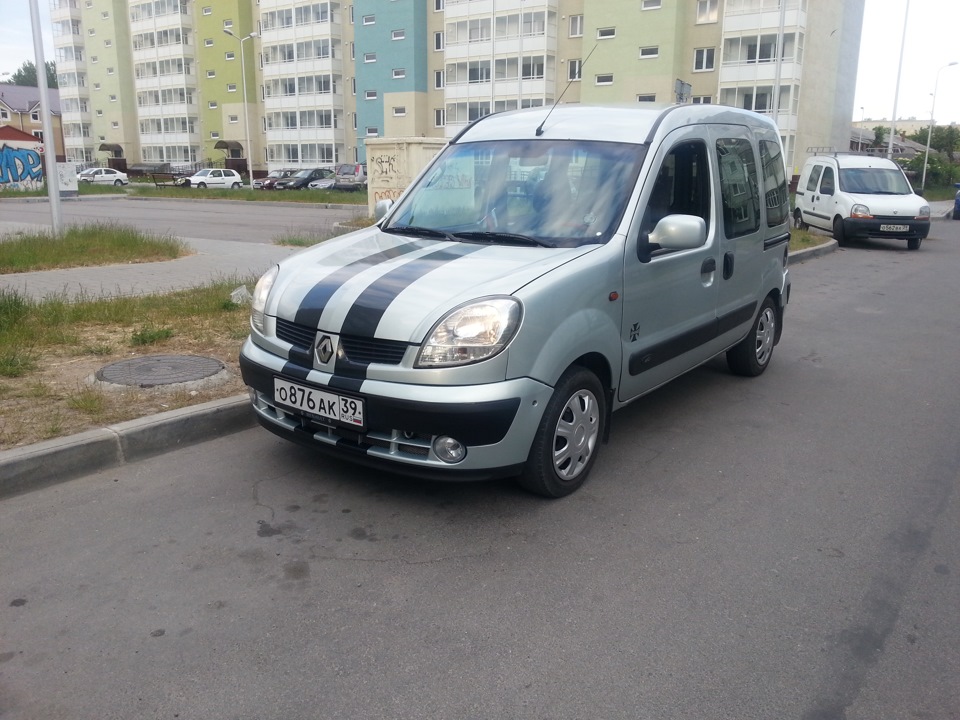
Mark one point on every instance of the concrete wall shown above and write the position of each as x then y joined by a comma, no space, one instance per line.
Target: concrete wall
21,165
393,163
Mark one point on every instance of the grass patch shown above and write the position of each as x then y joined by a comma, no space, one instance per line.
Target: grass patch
84,245
82,190
150,336
87,400
804,239
334,197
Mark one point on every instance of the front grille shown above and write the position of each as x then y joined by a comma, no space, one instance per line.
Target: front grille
371,350
299,335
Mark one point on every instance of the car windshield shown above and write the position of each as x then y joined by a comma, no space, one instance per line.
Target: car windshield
304,173
556,193
203,173
275,173
874,181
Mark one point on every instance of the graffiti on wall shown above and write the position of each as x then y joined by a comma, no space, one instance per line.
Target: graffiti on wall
21,168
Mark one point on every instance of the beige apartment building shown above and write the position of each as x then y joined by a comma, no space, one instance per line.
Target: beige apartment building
160,80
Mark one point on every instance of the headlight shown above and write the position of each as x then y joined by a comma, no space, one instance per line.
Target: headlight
260,294
924,212
471,333
860,211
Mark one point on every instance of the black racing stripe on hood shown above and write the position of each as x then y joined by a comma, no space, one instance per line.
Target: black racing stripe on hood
315,301
363,318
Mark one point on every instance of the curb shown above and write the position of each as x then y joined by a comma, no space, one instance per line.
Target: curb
53,461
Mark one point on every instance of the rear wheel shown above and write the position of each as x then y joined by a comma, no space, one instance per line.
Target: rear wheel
838,234
914,243
751,355
568,439
235,186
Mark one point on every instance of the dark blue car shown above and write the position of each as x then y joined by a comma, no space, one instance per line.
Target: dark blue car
956,203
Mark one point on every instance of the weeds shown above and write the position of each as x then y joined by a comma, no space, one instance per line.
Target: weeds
150,336
87,400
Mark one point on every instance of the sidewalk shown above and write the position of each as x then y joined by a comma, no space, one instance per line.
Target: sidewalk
48,462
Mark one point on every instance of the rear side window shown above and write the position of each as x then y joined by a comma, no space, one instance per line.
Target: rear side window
739,188
814,178
827,185
774,183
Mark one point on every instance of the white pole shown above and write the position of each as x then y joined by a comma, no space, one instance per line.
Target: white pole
49,139
896,92
246,108
933,107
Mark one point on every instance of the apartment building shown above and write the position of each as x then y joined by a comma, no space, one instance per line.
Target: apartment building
20,110
161,80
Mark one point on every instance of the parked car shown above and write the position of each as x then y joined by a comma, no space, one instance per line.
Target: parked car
488,327
323,183
860,196
103,176
274,176
215,178
302,179
956,203
351,176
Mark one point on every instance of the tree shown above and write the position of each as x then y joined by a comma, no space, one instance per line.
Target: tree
879,135
26,74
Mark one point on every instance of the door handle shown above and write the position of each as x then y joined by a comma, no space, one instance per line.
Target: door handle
727,265
709,266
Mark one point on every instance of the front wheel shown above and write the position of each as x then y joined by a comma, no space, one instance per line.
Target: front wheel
118,183
751,355
202,186
567,442
838,233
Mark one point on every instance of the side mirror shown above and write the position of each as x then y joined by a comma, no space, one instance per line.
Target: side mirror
680,232
381,209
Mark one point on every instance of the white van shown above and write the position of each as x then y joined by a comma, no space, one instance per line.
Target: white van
547,268
860,196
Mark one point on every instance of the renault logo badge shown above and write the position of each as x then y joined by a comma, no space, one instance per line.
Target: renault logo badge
324,349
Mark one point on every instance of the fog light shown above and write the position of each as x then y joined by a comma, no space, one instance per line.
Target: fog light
253,395
449,450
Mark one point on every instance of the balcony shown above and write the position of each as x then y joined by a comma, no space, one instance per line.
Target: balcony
65,10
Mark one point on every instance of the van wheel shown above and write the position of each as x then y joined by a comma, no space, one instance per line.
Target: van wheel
914,243
838,234
568,439
751,355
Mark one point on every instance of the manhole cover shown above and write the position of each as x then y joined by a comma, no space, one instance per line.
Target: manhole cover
153,370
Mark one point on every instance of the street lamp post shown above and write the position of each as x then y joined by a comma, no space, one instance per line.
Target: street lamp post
862,120
246,110
933,107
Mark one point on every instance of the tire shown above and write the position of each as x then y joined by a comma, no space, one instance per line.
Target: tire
838,234
202,186
914,243
117,183
567,442
751,356
235,186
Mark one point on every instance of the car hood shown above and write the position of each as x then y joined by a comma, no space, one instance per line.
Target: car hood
393,287
903,205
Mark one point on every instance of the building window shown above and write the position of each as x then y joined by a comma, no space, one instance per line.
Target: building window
703,59
369,19
370,57
400,111
94,59
35,116
91,32
228,24
438,79
229,56
707,11
373,131
108,43
105,14
208,10
113,98
214,135
437,5
606,33
233,119
648,53
353,86
573,69
438,41
211,73
231,87
398,35
439,117
605,79
109,71
576,26
649,97
115,124
370,95
650,5
350,9
212,104
99,113
96,86
208,42
399,73
702,99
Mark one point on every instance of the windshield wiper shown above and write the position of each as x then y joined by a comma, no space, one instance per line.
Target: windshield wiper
418,231
493,236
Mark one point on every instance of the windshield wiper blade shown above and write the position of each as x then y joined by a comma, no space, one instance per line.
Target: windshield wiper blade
419,231
493,236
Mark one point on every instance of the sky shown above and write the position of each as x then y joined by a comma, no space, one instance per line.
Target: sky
932,28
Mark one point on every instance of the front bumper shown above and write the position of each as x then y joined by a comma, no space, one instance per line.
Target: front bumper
871,227
495,421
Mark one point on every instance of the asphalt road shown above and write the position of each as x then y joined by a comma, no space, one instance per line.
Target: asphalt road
212,219
780,547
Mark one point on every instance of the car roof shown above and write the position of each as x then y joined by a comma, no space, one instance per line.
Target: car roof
857,161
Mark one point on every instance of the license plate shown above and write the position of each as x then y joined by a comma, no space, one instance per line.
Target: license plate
894,228
328,405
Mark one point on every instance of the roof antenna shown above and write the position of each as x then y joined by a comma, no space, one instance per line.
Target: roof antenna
539,131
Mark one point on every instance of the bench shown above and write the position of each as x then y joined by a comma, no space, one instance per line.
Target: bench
165,180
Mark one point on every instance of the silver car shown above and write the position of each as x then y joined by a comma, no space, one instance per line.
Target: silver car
546,269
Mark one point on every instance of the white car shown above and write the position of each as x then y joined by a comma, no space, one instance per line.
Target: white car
103,176
216,178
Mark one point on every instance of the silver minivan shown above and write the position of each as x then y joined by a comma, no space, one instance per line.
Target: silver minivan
547,268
